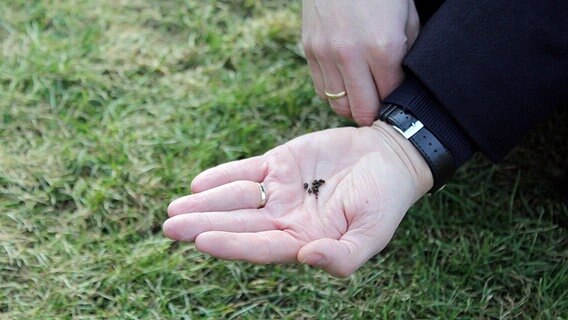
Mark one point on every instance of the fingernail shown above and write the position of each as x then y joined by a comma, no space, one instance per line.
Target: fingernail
315,259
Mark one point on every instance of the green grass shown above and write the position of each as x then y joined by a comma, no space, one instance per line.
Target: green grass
110,108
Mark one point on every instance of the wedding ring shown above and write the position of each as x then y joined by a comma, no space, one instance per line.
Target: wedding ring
262,196
334,96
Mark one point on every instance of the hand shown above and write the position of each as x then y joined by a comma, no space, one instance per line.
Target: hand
372,177
358,47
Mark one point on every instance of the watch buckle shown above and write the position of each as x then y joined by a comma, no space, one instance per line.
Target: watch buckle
410,131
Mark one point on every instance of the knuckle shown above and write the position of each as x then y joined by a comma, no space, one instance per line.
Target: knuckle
345,52
388,48
308,46
313,46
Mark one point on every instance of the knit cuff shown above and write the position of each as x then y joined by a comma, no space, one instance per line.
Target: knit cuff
414,96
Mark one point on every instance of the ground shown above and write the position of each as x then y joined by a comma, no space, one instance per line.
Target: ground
110,108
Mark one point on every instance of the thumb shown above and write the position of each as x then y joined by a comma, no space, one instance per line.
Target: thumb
341,257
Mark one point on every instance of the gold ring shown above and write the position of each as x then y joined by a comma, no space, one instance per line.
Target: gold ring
333,96
262,196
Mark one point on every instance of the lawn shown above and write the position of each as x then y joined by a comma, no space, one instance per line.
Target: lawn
109,108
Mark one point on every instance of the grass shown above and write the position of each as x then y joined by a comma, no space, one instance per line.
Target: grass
109,108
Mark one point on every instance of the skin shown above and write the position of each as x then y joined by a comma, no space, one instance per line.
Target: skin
358,47
372,177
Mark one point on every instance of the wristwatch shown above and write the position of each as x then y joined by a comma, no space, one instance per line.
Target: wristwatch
435,153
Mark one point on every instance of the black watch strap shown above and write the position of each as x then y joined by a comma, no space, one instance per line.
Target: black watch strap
436,155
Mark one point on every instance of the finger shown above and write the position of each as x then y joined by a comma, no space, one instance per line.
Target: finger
333,83
251,169
186,227
386,65
273,246
344,256
310,45
231,196
317,76
363,96
387,75
412,27
339,258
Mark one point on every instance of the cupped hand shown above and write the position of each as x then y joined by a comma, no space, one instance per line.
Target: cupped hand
372,177
358,47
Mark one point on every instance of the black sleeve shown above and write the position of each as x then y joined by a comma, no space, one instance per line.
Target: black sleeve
494,67
426,8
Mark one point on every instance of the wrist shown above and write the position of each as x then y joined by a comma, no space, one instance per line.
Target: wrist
409,155
436,155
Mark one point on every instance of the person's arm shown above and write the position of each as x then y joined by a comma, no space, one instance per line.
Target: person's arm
493,68
373,175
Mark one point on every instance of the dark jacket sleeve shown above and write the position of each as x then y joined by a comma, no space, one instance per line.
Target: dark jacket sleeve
495,67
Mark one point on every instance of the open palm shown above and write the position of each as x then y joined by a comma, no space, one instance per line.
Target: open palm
372,176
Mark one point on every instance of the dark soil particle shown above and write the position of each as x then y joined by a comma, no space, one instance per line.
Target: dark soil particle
315,187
